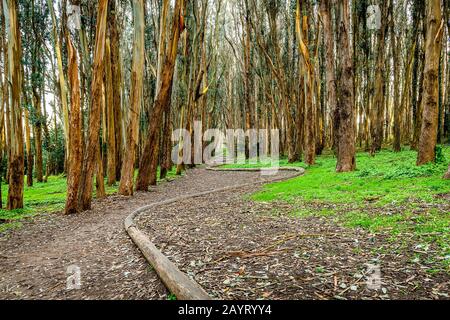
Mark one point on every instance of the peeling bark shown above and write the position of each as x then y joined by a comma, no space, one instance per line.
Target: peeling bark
149,162
428,138
92,144
75,143
16,157
127,176
346,160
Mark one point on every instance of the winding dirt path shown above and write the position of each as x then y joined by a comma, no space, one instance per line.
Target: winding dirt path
35,258
236,248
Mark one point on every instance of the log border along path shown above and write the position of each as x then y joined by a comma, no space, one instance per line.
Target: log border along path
177,282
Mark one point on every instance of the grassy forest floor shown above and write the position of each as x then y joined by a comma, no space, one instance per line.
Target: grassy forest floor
387,194
314,236
307,237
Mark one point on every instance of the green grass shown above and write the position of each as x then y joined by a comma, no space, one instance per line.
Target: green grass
388,178
172,297
387,193
42,198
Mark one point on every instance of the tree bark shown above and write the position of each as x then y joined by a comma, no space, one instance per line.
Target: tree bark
111,134
75,144
37,71
395,43
99,177
325,11
27,120
149,163
346,160
127,176
166,158
28,148
16,159
378,101
62,81
248,78
116,65
5,90
428,137
308,85
92,145
416,73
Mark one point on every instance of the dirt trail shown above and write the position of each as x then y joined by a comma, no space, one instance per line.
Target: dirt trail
35,258
236,248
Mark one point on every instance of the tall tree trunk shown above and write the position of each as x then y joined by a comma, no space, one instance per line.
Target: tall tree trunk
38,135
116,65
167,131
395,43
419,111
248,78
325,11
37,71
149,162
161,43
92,144
166,158
62,82
346,160
75,144
416,73
99,177
443,92
111,134
16,160
127,176
403,108
428,138
308,81
27,120
378,101
28,148
5,90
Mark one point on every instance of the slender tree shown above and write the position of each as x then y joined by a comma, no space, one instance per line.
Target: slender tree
16,154
110,118
38,66
149,161
62,81
428,137
75,146
325,12
116,75
379,98
90,162
126,182
346,160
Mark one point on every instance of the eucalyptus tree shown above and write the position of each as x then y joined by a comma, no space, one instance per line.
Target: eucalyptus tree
14,76
127,176
92,150
433,45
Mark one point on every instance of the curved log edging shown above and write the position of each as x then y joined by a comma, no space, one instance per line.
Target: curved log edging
178,283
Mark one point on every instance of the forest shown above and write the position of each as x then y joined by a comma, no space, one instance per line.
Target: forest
96,95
